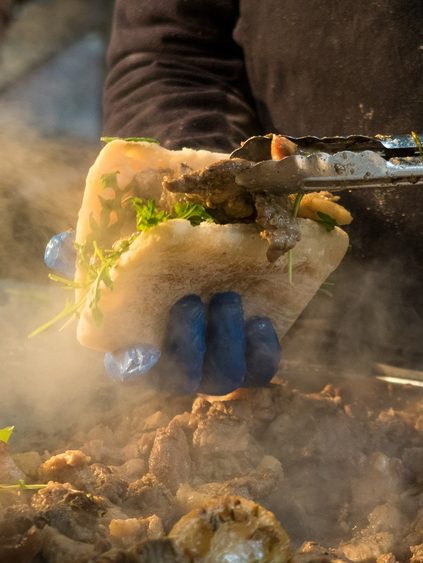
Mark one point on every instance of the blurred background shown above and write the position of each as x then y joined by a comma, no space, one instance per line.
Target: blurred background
52,64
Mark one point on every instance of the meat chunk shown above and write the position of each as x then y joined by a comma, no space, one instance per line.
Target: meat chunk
170,458
215,188
61,467
72,513
279,226
101,480
223,446
132,530
148,496
73,466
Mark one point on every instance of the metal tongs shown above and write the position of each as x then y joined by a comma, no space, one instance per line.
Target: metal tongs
333,163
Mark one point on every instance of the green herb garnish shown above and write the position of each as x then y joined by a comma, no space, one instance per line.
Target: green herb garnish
129,139
418,142
69,310
147,214
5,433
328,222
22,486
192,212
97,262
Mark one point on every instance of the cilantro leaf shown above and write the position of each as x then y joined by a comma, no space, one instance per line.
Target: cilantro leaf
147,214
192,212
328,222
5,433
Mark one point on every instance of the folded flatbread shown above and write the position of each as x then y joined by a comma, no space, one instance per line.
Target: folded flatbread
175,258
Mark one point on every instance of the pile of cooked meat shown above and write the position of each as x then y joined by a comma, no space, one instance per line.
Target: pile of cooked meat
342,473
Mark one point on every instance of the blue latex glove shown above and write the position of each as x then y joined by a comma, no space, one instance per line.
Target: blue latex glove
209,350
60,254
205,349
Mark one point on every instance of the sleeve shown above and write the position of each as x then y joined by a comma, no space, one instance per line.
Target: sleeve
176,74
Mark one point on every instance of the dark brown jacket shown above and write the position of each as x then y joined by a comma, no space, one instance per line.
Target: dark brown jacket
210,73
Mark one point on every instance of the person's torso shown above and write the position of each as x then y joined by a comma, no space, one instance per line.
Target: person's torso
335,68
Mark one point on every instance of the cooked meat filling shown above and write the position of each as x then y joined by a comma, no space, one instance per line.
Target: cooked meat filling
215,187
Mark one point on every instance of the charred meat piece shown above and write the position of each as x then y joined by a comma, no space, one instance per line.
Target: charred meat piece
279,226
216,188
73,513
148,496
72,466
170,457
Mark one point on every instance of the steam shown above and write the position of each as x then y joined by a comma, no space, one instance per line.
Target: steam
41,184
368,313
51,388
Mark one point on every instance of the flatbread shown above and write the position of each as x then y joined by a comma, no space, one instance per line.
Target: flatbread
175,258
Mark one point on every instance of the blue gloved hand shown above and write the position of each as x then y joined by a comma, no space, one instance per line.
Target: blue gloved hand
209,350
60,254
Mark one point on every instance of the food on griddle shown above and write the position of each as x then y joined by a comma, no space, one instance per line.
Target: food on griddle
333,468
129,279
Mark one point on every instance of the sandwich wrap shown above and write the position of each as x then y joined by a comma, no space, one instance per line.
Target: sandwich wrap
174,258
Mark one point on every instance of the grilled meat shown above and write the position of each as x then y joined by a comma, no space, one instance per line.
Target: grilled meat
275,446
215,187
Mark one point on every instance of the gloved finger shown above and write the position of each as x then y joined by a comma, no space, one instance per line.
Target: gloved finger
181,366
263,351
132,362
224,362
60,254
